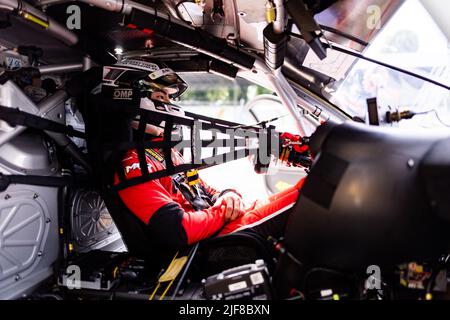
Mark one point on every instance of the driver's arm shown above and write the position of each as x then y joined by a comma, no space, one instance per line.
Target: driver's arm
167,220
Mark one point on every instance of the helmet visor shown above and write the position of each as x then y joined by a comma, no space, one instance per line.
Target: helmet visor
168,81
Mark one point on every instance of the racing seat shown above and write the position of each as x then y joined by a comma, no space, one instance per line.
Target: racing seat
216,254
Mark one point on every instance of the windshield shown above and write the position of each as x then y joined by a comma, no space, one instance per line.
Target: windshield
420,45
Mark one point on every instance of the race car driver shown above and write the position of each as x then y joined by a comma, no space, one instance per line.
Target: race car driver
182,209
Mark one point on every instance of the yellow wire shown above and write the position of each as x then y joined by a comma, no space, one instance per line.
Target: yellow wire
154,291
167,289
159,283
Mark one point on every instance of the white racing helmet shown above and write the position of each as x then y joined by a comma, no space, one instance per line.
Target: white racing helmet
135,79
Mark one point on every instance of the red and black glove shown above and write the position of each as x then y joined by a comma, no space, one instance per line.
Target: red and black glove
294,150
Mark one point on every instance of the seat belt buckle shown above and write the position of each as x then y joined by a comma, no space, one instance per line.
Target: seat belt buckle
192,177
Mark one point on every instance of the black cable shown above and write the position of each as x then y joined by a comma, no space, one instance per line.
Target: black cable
360,56
122,6
19,6
324,270
344,35
186,268
177,10
436,114
386,65
440,120
278,246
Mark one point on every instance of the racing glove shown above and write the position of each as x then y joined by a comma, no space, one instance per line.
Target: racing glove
294,150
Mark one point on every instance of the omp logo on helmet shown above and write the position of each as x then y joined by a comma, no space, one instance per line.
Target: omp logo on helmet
123,94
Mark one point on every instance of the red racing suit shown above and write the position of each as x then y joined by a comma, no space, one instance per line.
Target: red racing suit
172,219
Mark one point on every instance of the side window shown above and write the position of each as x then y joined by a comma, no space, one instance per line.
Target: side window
215,96
421,46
